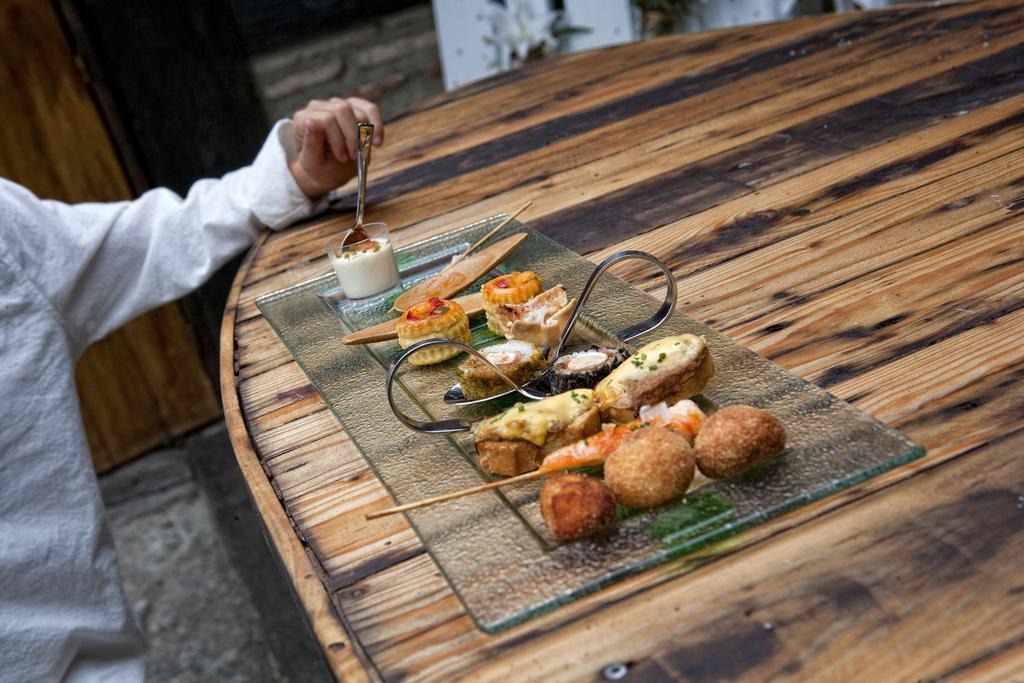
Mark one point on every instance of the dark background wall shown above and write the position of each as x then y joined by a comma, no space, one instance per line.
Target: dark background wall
266,24
178,92
390,58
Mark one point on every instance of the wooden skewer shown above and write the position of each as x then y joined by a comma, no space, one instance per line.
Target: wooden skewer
529,476
490,234
454,279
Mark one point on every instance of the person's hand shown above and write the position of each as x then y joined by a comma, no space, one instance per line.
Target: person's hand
326,139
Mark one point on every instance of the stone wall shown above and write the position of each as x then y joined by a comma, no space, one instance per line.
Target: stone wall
391,59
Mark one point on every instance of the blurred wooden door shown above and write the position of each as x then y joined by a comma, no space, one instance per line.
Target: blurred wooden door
145,383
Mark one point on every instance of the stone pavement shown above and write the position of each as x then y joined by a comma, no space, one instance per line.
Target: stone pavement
206,589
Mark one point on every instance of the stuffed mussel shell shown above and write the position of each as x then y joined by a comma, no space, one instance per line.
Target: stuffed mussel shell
584,369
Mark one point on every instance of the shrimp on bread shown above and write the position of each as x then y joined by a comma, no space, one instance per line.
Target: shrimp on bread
684,418
515,441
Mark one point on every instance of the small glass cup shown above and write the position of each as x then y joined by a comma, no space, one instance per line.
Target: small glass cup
367,267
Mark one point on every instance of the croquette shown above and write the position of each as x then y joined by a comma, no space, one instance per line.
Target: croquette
651,466
575,505
735,438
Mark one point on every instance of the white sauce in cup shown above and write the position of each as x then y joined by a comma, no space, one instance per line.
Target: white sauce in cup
367,267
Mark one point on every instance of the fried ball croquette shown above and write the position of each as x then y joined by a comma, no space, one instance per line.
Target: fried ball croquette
575,505
735,438
651,466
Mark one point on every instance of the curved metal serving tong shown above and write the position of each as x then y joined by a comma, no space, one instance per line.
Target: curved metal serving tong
542,385
634,331
445,426
539,387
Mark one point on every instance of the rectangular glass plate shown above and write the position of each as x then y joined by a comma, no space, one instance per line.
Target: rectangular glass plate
493,547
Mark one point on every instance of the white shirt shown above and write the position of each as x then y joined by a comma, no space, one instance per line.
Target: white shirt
68,276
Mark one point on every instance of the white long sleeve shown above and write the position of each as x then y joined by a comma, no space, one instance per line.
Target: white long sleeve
69,275
100,265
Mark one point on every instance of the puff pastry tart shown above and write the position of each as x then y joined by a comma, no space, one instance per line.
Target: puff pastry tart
433,319
539,321
514,288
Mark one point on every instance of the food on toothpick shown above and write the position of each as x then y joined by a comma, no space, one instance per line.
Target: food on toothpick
575,506
539,321
684,418
514,288
584,369
737,437
516,440
670,369
436,318
460,275
519,360
364,261
651,466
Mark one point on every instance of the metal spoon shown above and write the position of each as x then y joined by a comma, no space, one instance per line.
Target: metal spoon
363,165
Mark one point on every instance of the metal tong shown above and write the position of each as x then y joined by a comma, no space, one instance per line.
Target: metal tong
539,387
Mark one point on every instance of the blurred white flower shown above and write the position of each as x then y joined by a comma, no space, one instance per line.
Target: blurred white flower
522,31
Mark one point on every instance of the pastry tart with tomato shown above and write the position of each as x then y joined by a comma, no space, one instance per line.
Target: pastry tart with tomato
433,319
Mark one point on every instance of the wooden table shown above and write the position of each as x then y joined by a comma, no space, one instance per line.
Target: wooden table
843,195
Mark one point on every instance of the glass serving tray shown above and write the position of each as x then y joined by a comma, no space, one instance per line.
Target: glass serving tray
493,547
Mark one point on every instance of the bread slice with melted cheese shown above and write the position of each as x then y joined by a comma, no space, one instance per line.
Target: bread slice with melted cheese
669,369
517,440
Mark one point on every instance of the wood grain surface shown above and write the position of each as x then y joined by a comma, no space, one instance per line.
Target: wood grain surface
843,195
